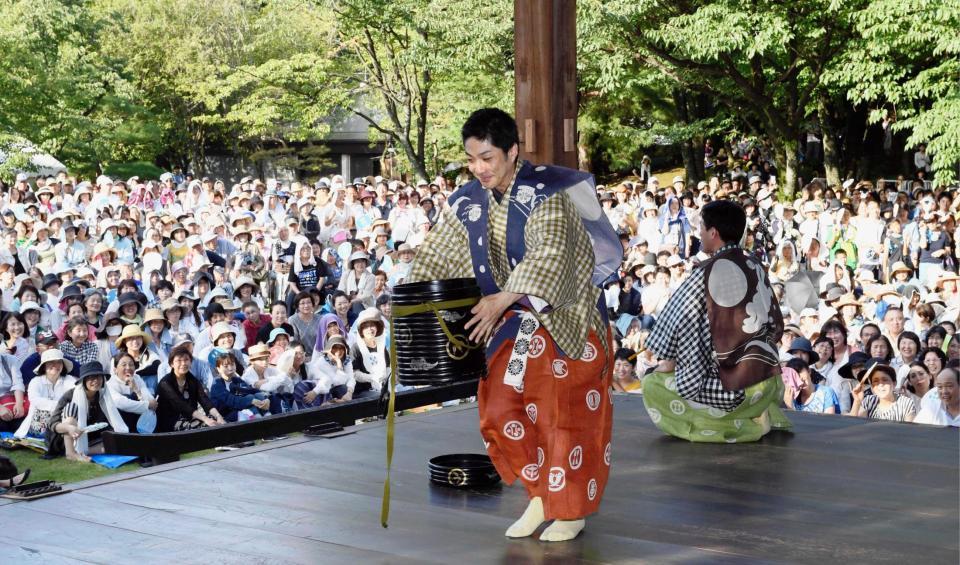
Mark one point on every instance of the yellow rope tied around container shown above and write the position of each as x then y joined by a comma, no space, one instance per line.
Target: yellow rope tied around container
401,311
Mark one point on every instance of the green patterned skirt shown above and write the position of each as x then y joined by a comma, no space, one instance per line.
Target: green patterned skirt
758,414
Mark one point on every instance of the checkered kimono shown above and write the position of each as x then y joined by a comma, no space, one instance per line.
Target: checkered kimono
682,334
552,431
556,267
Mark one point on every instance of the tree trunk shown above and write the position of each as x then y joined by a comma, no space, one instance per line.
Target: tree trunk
786,154
689,161
831,146
416,161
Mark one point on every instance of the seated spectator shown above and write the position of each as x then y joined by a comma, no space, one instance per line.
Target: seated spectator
947,411
157,327
934,359
44,392
134,341
330,325
331,376
918,382
625,372
936,336
253,321
14,339
78,345
810,395
278,319
304,321
87,404
13,396
261,376
823,347
183,403
371,360
879,348
131,395
884,403
908,345
293,363
45,340
224,337
801,349
278,342
230,395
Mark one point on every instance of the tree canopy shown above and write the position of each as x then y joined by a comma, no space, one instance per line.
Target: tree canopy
100,82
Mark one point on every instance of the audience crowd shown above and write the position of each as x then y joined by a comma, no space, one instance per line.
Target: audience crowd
152,306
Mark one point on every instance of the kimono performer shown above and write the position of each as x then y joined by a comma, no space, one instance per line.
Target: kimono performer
545,410
718,378
674,227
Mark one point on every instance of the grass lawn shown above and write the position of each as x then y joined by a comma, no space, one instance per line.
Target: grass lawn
65,471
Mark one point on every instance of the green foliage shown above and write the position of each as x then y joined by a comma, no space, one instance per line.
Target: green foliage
62,89
104,82
416,69
141,169
906,61
12,157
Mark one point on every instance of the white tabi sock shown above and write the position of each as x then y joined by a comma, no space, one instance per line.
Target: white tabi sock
562,530
530,520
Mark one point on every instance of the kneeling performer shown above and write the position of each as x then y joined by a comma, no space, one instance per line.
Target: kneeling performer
719,375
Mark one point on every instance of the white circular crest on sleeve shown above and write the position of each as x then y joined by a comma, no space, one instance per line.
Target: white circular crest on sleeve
727,285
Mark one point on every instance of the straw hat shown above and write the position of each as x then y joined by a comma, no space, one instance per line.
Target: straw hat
170,304
151,315
371,315
53,355
104,247
227,304
243,281
220,329
258,351
847,299
132,331
900,266
945,277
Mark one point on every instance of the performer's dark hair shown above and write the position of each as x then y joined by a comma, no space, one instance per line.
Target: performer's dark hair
727,217
493,125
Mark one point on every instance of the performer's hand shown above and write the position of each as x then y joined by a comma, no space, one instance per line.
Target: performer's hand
487,313
667,366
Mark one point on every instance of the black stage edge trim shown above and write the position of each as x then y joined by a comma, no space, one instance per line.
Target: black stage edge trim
167,447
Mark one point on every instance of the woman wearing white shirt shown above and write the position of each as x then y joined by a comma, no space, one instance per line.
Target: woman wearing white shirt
45,390
331,376
358,282
946,412
130,394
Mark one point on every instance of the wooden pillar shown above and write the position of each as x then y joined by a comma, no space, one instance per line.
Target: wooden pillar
545,43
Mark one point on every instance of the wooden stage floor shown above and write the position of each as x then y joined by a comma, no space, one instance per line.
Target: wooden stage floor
837,490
